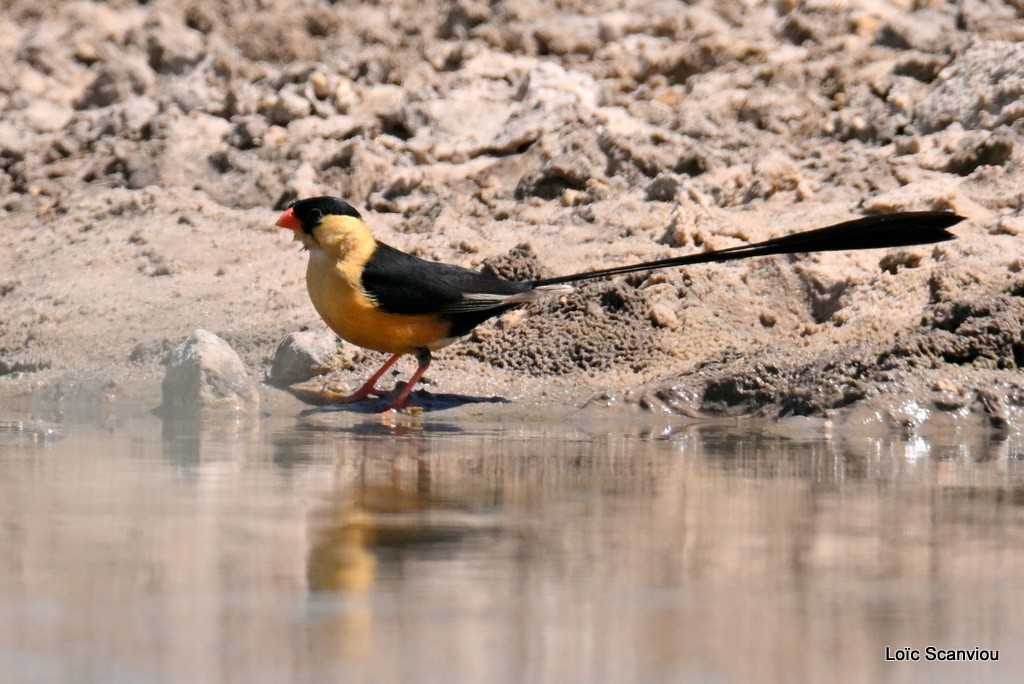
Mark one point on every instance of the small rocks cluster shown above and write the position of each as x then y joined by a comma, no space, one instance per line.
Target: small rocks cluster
957,356
587,105
204,372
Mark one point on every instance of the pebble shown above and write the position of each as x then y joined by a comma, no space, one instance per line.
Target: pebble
663,316
304,355
664,188
204,372
117,82
286,107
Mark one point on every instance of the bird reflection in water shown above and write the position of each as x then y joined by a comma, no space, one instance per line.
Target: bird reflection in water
395,510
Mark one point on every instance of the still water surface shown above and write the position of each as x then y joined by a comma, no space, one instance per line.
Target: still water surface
340,547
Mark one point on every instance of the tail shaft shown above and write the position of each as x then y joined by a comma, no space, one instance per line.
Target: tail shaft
870,232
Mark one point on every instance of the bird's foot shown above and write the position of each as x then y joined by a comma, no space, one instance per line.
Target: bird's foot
407,410
400,404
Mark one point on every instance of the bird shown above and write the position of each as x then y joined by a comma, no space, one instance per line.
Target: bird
381,298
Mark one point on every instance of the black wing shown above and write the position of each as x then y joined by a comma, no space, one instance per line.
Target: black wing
401,283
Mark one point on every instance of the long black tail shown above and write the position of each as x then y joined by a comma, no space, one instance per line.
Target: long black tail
870,232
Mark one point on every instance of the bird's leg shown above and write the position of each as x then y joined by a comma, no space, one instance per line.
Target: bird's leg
423,356
370,386
326,396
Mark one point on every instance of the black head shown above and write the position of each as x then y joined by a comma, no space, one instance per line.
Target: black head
310,211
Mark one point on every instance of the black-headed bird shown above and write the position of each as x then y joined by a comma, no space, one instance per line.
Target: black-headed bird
380,298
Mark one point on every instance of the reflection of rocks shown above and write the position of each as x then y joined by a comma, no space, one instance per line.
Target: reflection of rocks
679,551
207,443
28,434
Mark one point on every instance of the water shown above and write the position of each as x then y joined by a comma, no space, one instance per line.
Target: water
341,547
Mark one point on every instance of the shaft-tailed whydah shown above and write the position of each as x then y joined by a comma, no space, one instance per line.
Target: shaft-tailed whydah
381,298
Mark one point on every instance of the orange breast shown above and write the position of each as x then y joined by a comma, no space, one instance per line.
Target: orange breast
348,312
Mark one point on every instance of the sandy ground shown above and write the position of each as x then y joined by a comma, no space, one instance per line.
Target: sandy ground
145,150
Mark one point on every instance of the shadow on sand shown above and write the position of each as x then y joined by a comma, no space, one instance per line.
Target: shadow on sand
419,402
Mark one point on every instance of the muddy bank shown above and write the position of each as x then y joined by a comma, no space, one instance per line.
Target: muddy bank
144,150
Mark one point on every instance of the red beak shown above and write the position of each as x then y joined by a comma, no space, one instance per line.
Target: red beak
288,220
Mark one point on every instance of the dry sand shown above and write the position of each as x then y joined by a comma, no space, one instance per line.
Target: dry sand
145,150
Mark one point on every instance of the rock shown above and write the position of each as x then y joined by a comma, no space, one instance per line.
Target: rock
204,372
174,49
303,182
248,132
47,117
982,89
568,35
664,188
630,149
555,177
476,120
197,91
993,149
994,20
925,30
463,15
550,86
894,260
485,115
265,38
13,144
304,355
994,406
287,106
569,166
319,83
128,118
314,128
663,316
117,81
773,173
344,96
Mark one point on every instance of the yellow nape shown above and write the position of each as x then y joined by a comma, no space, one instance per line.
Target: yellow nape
346,240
